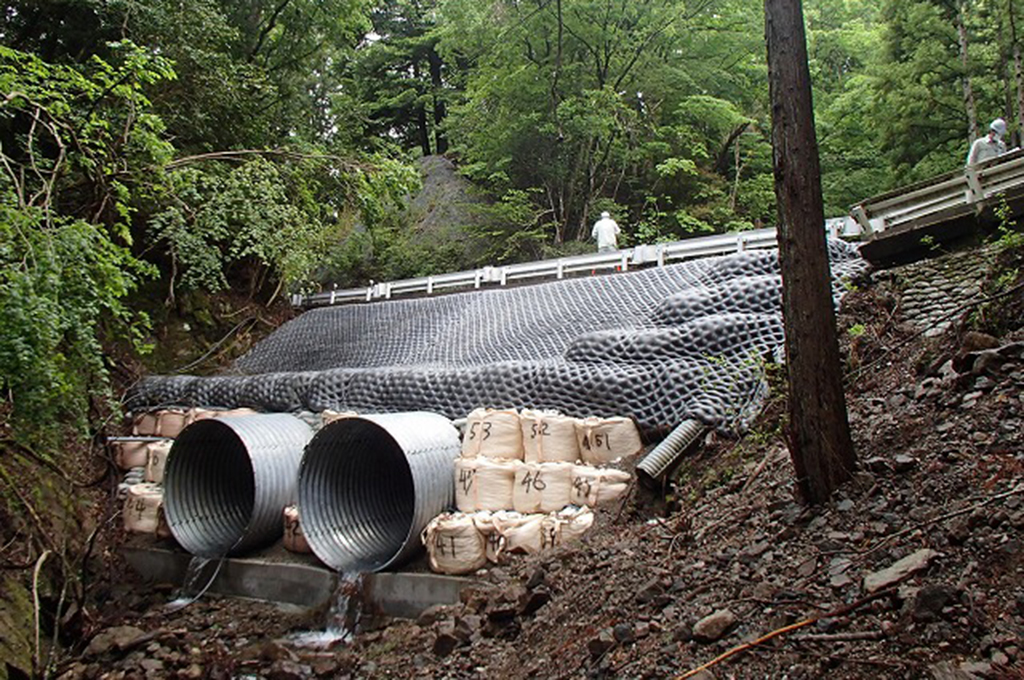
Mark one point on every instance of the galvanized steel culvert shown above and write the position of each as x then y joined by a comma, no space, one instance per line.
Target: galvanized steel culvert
228,480
369,485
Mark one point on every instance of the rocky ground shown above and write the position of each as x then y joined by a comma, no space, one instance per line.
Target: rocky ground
915,570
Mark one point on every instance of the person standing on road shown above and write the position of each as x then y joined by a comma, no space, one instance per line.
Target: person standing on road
989,146
606,231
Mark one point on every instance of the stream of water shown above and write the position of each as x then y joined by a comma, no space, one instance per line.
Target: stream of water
343,616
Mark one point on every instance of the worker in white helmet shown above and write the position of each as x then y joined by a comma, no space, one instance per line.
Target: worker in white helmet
606,231
989,146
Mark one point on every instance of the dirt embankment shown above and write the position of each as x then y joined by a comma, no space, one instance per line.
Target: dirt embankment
916,569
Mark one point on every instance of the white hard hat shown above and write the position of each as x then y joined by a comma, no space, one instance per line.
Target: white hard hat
605,214
999,125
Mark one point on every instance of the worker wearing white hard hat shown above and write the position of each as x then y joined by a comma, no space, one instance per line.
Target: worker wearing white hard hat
606,231
989,146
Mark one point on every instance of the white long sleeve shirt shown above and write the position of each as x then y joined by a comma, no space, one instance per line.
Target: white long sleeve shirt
606,231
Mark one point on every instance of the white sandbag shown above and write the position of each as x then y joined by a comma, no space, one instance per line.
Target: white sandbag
521,533
145,425
494,542
566,526
129,454
197,414
328,416
484,484
605,440
163,529
170,422
156,460
493,433
294,539
454,546
495,481
542,487
141,508
549,437
596,486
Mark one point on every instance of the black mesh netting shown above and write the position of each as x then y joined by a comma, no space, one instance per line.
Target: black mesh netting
660,345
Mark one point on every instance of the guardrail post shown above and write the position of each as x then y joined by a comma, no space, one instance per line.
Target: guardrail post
430,285
334,294
661,254
625,260
975,193
560,271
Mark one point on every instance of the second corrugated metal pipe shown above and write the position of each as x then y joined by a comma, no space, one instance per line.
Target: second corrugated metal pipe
368,486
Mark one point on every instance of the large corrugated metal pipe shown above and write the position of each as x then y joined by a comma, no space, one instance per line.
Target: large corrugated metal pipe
227,481
653,468
369,485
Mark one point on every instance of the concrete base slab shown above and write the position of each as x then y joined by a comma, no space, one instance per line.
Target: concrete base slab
401,595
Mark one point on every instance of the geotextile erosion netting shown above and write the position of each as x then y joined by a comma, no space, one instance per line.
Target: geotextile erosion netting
660,345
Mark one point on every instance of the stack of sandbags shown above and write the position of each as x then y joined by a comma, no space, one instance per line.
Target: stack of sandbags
197,414
167,422
461,543
520,484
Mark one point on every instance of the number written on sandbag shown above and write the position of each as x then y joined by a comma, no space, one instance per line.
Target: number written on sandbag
533,481
539,430
548,537
485,430
581,487
442,549
596,440
466,479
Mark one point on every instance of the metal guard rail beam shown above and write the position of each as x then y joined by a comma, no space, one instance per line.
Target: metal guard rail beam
945,196
621,260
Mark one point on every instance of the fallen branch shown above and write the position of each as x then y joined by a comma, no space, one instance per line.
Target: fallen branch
840,637
36,617
840,611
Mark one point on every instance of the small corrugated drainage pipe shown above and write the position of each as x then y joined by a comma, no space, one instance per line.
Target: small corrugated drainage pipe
653,468
227,481
369,485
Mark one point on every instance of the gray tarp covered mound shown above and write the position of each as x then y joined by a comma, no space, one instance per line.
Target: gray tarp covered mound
661,345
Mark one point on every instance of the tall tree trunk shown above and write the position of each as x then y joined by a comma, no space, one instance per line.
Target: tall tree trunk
423,130
819,432
1018,72
440,109
969,108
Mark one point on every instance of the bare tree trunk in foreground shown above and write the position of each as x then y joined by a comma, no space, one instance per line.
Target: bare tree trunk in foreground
819,432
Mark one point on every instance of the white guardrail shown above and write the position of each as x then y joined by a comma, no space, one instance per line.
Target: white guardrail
942,198
619,260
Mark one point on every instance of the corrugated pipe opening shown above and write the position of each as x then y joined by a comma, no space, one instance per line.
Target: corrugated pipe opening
227,481
657,464
369,485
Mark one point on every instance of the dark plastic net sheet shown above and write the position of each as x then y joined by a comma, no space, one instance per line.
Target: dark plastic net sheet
661,345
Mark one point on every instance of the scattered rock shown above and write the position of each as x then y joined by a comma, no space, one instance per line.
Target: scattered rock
929,601
904,463
714,626
532,601
895,573
601,643
624,633
118,637
445,643
285,669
